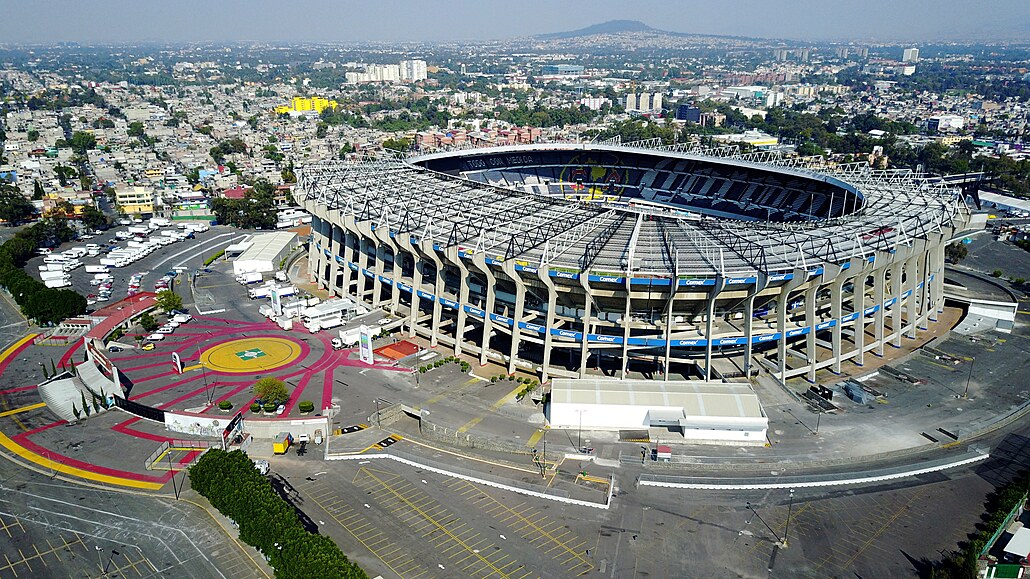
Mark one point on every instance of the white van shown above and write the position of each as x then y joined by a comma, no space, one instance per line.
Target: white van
155,337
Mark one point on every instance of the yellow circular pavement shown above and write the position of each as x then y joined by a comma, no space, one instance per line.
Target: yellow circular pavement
250,355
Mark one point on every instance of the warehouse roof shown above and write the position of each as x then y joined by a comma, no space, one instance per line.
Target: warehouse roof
268,246
697,399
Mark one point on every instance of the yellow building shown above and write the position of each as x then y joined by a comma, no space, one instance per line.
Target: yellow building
134,200
303,104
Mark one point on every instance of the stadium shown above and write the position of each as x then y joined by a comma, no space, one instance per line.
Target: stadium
574,260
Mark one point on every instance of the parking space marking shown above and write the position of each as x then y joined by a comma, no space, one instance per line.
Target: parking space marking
543,533
22,409
394,557
25,561
453,392
493,408
446,532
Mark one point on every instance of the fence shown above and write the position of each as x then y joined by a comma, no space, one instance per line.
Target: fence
482,478
141,410
811,481
178,444
1016,509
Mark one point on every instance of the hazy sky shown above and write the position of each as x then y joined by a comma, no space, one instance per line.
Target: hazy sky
28,21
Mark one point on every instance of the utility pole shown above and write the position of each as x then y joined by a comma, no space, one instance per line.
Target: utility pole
965,393
786,528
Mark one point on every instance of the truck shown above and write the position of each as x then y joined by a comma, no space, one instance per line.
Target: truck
349,338
45,275
56,283
51,267
282,443
260,292
139,230
249,278
281,276
96,269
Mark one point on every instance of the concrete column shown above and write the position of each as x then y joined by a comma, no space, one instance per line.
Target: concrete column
349,255
938,281
811,348
479,260
427,249
879,294
800,276
912,279
584,349
836,312
896,290
463,298
749,320
520,304
552,304
626,326
416,285
720,283
858,305
391,272
335,236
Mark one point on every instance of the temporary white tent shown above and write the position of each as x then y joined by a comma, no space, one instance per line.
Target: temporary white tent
703,411
265,252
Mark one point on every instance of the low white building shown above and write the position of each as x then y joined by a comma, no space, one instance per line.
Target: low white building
701,411
265,253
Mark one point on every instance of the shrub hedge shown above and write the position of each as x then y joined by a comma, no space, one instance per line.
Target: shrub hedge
233,485
43,304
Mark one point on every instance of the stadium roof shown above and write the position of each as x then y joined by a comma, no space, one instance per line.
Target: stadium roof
636,239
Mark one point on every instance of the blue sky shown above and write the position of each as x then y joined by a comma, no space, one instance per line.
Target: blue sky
24,21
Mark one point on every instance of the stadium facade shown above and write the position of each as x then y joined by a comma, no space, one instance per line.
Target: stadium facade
586,259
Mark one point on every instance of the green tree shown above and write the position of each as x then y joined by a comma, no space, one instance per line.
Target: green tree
168,300
14,207
37,191
82,142
32,135
65,174
135,129
271,389
93,218
147,322
956,252
402,144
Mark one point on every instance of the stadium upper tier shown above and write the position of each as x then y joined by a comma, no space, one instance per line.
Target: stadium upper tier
637,212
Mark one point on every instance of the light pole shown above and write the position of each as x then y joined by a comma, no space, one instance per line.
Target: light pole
379,424
753,511
579,443
786,528
965,393
100,560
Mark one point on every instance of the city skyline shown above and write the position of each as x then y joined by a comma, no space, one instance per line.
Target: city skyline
398,21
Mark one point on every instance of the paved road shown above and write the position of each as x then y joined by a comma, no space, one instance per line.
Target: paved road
58,529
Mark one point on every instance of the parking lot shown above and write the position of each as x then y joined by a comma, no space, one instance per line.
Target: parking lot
417,524
52,529
151,267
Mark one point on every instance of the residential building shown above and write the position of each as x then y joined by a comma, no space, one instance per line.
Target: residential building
134,200
413,70
645,102
910,55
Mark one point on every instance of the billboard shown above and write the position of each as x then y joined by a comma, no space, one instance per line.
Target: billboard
234,427
365,344
277,302
177,362
95,355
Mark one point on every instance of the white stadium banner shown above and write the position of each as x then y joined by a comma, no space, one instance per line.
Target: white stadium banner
365,344
177,362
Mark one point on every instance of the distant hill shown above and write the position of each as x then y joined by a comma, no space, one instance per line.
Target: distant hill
610,27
